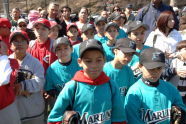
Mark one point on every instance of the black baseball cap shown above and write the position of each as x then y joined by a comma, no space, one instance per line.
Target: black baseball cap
87,27
133,25
88,45
99,19
152,58
111,24
61,40
126,45
115,16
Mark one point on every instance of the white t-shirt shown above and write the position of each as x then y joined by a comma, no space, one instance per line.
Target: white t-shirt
166,44
5,70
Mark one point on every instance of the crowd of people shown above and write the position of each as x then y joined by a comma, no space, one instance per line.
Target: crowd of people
119,68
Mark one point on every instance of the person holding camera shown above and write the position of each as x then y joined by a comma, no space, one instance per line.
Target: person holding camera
30,81
8,110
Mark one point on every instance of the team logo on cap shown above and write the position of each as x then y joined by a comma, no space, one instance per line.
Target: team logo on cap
158,57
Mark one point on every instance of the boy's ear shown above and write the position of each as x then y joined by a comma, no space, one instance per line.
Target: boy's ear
115,51
79,62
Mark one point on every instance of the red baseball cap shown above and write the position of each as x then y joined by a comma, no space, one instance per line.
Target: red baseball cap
21,33
43,21
54,24
4,22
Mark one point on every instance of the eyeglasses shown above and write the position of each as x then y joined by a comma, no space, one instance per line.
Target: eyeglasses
116,9
22,25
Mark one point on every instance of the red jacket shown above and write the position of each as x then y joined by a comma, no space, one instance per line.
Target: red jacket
43,52
7,95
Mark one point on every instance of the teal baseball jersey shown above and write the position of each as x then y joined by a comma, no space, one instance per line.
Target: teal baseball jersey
123,77
58,75
108,52
96,101
151,105
100,39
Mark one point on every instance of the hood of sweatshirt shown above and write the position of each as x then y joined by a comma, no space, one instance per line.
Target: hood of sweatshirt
101,79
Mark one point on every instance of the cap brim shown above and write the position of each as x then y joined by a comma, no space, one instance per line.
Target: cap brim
89,28
101,20
17,34
141,25
89,48
127,50
41,24
153,65
59,26
117,17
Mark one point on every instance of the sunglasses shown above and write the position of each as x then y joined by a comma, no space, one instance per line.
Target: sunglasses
22,25
116,9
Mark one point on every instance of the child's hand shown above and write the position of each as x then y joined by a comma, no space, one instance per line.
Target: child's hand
25,93
17,89
47,96
3,48
181,72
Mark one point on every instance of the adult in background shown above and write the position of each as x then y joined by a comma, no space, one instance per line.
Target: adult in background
150,13
165,37
22,25
83,18
53,10
15,15
66,11
104,14
128,13
53,13
116,8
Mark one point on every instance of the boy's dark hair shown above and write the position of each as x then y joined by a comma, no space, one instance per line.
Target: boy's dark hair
67,7
180,45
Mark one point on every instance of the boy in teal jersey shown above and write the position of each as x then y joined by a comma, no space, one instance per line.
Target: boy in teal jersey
116,18
111,32
100,23
63,69
117,69
88,32
136,32
150,99
90,92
